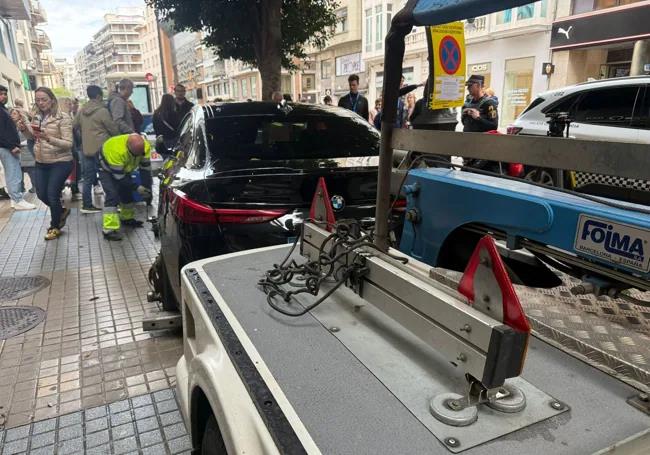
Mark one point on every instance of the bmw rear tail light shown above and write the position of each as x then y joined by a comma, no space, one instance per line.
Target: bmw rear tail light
512,129
190,211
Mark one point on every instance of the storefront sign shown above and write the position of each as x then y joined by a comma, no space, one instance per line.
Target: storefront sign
518,97
480,68
602,27
447,52
349,64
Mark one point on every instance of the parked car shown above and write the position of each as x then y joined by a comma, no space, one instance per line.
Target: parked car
244,176
616,110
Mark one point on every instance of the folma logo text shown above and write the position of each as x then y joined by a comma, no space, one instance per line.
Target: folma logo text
613,242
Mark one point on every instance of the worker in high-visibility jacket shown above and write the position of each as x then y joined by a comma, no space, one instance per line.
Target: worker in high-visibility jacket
118,158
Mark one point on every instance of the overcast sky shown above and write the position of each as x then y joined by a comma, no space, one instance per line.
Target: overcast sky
72,23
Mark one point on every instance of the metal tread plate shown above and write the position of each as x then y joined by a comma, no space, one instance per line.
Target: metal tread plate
15,320
612,335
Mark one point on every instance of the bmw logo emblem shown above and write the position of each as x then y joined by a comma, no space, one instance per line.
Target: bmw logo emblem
338,203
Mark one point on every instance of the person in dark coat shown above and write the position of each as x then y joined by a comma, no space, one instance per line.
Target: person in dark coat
354,100
165,123
181,106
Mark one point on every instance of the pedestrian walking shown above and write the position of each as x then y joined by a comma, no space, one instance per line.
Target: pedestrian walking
52,131
490,92
164,123
27,159
120,156
354,100
95,125
182,105
10,155
118,107
327,101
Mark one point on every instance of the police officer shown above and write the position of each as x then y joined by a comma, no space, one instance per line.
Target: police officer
118,158
479,115
479,111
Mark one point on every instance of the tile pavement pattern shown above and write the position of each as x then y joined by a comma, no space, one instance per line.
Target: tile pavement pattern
91,349
147,424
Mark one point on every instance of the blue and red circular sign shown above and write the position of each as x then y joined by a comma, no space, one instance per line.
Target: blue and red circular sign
450,54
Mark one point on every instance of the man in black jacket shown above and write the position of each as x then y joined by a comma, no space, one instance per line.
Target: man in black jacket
181,106
354,100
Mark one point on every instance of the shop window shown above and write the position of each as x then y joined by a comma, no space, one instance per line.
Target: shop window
286,84
341,20
525,12
244,88
308,82
610,107
369,30
408,75
379,28
326,69
517,88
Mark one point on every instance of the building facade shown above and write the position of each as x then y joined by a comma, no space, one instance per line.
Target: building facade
156,54
595,39
115,51
328,69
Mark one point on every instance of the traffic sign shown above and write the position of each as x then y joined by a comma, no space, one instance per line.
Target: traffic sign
450,54
448,68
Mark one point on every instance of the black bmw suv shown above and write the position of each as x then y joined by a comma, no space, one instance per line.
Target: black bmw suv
244,174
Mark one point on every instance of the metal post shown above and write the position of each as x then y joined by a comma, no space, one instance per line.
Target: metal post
393,56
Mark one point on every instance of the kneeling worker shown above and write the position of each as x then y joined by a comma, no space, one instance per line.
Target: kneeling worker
119,157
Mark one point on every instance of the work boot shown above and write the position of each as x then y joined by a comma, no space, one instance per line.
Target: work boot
112,235
132,223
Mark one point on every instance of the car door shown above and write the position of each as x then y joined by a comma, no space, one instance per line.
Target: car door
605,114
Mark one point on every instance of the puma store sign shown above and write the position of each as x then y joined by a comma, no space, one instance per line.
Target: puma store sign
601,27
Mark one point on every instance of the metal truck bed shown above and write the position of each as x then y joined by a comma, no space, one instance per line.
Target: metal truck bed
346,409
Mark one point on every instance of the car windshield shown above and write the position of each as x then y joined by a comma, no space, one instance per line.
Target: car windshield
291,136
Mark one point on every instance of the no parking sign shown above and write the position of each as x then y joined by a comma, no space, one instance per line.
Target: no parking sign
447,56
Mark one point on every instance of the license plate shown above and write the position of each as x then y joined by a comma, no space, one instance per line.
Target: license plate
617,243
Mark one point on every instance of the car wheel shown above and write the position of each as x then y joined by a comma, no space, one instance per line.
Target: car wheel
212,443
540,175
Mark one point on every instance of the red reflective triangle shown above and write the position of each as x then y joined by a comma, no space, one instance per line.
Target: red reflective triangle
322,203
513,313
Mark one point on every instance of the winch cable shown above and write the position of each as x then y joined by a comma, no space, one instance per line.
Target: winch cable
342,263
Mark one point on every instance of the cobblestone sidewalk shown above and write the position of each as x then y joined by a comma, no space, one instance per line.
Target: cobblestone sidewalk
90,350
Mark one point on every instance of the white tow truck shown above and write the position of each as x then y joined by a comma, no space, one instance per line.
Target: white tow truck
338,344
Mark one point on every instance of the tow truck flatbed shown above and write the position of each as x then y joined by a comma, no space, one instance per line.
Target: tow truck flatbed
329,401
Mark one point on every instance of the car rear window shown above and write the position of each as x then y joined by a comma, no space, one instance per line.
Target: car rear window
287,137
536,102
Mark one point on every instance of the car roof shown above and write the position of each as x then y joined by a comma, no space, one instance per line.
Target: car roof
215,110
601,83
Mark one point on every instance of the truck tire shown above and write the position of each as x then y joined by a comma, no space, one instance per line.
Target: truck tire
212,443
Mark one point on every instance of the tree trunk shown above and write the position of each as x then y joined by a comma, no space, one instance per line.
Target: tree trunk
268,45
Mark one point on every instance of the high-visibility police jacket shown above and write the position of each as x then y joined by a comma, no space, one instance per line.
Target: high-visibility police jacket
116,159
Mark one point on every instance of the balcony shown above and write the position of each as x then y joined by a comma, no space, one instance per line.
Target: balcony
38,13
40,39
479,27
